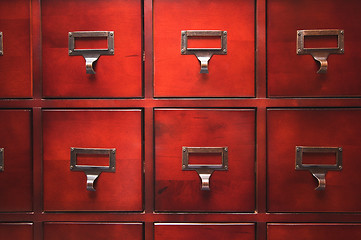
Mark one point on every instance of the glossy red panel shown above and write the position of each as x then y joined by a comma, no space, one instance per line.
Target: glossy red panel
18,231
16,179
314,231
65,190
15,63
290,74
291,190
230,190
118,75
177,75
204,231
89,231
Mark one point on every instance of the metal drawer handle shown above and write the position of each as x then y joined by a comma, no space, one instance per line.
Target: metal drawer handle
203,54
204,170
1,159
1,44
92,172
320,54
91,55
319,170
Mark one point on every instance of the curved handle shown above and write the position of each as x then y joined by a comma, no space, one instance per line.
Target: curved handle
204,171
92,172
91,55
320,54
203,54
319,171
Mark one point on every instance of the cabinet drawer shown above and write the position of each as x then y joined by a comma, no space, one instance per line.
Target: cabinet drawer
291,74
21,231
206,231
92,230
75,139
314,231
16,170
15,67
117,74
188,143
326,141
177,74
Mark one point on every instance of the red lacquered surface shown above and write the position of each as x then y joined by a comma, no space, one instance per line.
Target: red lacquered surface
177,190
117,75
16,179
314,231
65,189
15,64
230,75
18,231
293,191
204,231
290,74
89,231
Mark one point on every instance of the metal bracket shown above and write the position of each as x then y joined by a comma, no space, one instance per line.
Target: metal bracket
91,55
92,172
204,170
1,159
319,170
1,44
320,54
203,54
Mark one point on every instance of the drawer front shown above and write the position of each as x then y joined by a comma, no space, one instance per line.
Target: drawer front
91,230
193,134
330,138
177,74
16,178
314,231
68,186
291,74
204,231
118,74
11,231
15,67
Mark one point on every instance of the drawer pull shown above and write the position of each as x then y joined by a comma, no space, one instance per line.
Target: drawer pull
319,170
204,170
91,55
320,54
92,172
1,159
1,44
203,54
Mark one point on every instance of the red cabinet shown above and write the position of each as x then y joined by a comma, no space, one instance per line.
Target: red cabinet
178,75
15,50
118,75
212,139
91,230
118,133
290,74
16,179
291,131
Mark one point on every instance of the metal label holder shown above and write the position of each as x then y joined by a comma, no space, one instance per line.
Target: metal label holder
319,171
320,54
204,170
203,54
1,159
1,44
92,172
91,55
